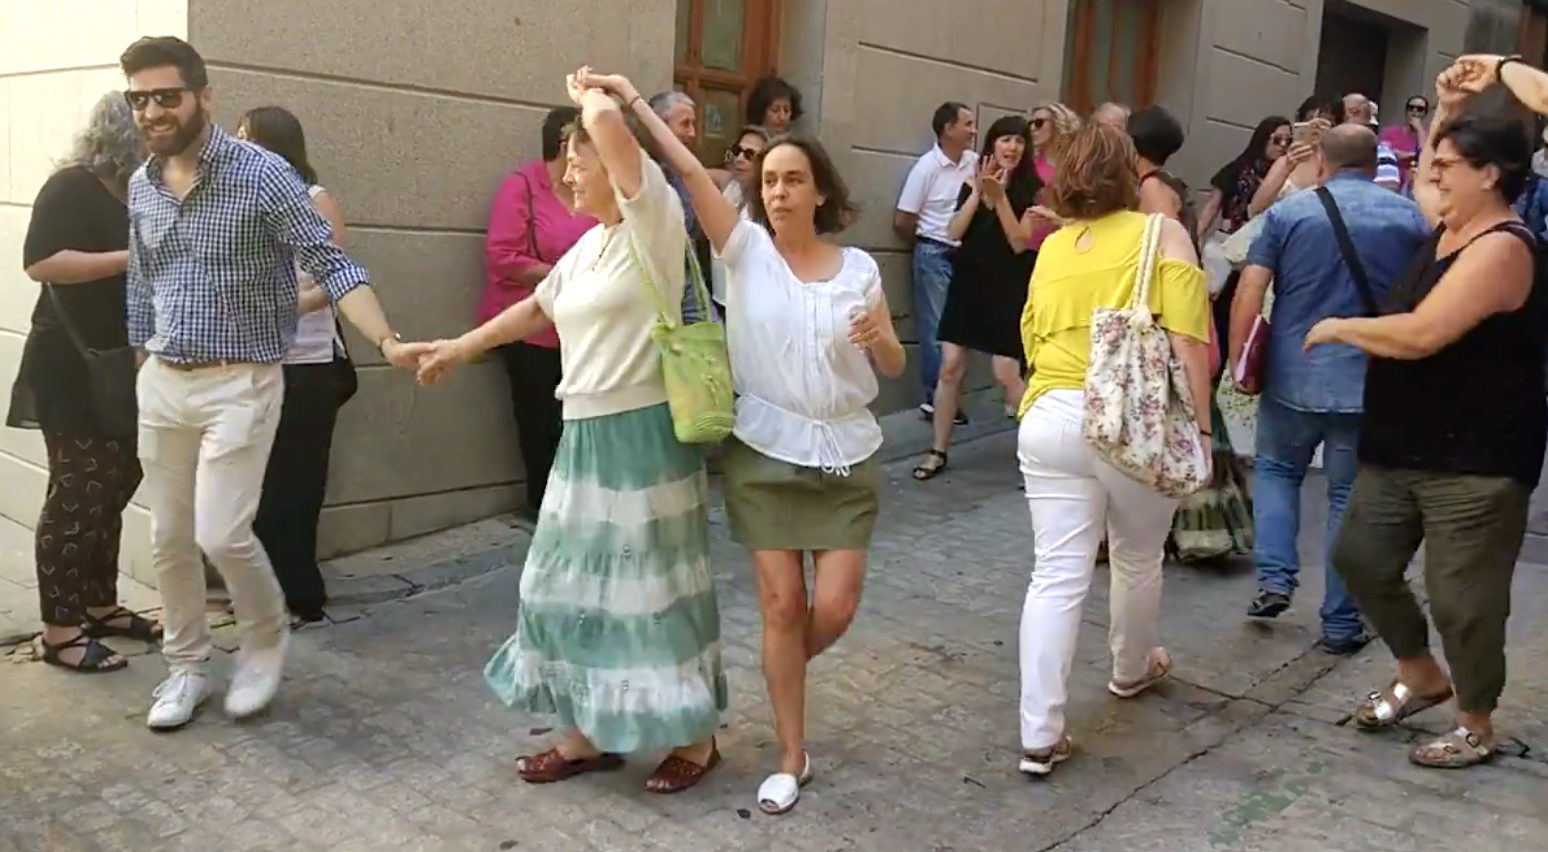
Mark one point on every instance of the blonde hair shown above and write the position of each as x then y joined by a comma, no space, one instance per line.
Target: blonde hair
1066,123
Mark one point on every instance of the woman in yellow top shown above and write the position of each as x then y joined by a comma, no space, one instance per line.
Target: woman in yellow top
1075,497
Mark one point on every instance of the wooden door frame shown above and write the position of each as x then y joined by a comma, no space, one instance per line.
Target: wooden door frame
760,45
1077,89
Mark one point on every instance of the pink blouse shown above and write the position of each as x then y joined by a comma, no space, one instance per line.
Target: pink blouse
1045,173
522,234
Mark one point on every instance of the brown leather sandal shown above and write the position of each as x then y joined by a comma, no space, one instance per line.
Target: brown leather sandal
676,774
551,766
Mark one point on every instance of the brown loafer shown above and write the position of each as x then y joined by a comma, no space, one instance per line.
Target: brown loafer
676,774
551,766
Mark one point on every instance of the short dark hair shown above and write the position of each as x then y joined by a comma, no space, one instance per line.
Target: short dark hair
1334,107
163,51
945,116
1098,174
560,122
1157,134
768,90
837,212
277,129
1492,138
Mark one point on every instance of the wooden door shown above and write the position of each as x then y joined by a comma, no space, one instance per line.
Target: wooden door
1110,53
723,47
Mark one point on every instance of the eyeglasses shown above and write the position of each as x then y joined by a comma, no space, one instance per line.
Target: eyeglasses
139,99
741,152
1419,108
1039,123
1280,139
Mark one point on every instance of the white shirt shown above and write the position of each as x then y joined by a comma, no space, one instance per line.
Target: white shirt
804,390
733,194
597,297
932,188
316,332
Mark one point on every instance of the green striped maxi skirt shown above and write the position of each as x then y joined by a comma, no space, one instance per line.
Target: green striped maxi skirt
617,630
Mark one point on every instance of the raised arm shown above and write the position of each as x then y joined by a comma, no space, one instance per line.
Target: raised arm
1273,182
716,215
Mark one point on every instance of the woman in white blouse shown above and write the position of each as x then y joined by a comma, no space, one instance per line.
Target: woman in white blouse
808,329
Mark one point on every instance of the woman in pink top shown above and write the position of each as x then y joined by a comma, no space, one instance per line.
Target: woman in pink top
1404,138
532,224
1052,125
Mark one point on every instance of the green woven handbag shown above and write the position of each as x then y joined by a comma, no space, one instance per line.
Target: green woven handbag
694,361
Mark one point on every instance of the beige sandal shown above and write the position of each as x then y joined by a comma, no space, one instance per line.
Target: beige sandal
1459,749
1042,761
1160,667
1385,708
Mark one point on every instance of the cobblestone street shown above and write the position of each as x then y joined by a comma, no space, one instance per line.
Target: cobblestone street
385,738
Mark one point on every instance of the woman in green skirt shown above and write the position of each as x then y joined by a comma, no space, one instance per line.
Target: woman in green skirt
617,630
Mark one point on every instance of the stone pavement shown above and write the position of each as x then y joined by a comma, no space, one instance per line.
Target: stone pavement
386,739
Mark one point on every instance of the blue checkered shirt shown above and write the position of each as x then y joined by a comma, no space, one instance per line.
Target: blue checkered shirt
213,277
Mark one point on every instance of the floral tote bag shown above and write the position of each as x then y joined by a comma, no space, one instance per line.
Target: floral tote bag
1139,414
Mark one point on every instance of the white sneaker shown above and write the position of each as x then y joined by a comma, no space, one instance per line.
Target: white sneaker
256,679
178,698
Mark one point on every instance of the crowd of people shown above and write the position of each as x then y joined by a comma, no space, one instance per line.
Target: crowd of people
187,335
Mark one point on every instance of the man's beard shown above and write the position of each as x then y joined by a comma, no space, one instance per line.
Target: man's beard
178,142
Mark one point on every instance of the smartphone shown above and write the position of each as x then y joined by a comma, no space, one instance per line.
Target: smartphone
1302,132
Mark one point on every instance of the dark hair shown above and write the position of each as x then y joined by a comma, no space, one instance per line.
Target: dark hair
1023,182
768,90
1489,138
278,130
837,212
1334,107
1098,174
162,51
1261,135
556,125
945,116
1156,133
757,130
1418,97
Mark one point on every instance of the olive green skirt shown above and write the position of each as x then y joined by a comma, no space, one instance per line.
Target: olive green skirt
775,505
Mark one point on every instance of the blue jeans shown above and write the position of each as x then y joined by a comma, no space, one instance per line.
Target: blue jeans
1286,440
932,276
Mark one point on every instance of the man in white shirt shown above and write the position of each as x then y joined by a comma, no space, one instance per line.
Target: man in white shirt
925,208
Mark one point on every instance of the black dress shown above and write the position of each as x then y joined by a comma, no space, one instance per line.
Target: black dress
73,211
988,281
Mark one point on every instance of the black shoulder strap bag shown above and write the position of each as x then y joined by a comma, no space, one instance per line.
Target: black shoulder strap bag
1347,249
111,374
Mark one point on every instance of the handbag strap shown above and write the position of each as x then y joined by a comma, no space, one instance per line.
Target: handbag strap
70,328
1150,242
532,243
700,291
1347,249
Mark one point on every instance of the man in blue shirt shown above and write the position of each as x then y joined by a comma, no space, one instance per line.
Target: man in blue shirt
1315,397
217,228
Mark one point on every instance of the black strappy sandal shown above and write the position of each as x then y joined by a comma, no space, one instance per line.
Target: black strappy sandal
138,628
96,658
926,471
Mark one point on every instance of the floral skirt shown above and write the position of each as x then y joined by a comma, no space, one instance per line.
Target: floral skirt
618,630
1216,521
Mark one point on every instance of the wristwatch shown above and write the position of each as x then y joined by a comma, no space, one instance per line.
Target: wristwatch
381,344
1504,61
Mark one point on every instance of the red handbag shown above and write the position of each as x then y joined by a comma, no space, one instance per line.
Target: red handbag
1247,372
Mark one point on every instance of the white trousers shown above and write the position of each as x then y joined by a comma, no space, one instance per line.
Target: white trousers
205,436
1074,497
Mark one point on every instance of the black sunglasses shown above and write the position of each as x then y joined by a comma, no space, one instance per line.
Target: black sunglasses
741,151
1418,107
139,99
1039,123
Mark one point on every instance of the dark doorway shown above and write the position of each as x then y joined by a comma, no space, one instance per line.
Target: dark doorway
1352,56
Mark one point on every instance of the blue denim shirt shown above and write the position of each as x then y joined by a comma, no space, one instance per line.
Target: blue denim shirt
1532,205
1312,283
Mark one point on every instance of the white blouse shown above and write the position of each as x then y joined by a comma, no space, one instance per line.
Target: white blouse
804,390
732,194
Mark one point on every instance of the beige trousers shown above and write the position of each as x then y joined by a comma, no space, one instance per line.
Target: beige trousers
205,436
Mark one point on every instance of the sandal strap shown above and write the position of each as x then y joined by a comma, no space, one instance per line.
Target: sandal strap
94,654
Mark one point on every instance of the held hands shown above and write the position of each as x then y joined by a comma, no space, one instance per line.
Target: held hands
403,355
871,326
440,357
616,85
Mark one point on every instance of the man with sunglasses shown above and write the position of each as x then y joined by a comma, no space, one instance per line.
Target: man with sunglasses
1404,138
217,229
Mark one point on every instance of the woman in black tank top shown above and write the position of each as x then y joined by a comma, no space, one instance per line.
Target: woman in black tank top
1453,435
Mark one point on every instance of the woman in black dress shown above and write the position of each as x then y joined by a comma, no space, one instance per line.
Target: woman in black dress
989,277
